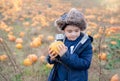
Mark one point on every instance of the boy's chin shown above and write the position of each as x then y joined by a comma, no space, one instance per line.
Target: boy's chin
72,39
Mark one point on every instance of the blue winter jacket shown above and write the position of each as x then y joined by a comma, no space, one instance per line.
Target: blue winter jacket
72,67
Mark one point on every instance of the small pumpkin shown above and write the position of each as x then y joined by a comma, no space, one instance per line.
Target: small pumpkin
36,43
113,42
21,34
42,59
27,62
50,38
54,46
115,78
19,40
19,46
3,57
102,56
33,57
11,37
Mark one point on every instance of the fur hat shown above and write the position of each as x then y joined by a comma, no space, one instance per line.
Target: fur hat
73,17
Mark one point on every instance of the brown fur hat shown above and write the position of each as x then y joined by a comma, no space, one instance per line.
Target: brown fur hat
73,17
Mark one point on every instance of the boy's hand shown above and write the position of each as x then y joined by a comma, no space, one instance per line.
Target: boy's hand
62,49
52,54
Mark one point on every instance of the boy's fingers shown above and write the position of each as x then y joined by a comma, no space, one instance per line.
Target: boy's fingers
53,53
50,51
49,48
53,56
59,47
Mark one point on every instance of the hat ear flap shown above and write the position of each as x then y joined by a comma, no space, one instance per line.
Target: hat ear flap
60,24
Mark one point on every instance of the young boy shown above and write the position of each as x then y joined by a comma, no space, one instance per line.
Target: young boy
75,55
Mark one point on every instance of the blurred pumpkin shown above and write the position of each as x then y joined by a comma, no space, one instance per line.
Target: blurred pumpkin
50,38
8,29
101,30
19,46
115,78
104,46
102,56
21,34
36,42
42,59
21,19
113,42
41,36
19,40
54,46
3,57
33,57
11,37
108,32
27,62
96,36
26,24
10,33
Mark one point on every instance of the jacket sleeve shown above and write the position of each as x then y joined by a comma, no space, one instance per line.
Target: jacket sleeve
49,60
81,62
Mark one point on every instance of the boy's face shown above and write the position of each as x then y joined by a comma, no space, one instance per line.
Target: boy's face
72,32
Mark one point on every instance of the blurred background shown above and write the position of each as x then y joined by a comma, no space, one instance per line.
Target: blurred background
27,29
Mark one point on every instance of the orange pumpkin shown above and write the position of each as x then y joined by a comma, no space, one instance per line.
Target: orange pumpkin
42,59
102,56
27,62
26,24
19,40
96,36
11,37
41,36
113,42
115,78
54,46
33,57
19,46
35,43
3,57
50,38
8,29
108,33
104,46
21,34
10,33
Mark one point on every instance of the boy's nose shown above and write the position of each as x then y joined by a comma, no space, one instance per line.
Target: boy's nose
73,33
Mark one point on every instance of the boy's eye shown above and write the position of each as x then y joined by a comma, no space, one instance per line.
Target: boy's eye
76,30
69,31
